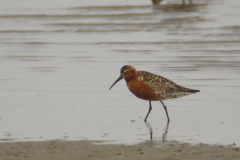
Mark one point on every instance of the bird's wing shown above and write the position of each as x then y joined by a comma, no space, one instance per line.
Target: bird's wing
156,82
161,84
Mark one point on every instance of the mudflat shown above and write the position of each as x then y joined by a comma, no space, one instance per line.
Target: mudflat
89,150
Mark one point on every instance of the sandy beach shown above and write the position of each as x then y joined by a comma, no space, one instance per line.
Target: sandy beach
90,150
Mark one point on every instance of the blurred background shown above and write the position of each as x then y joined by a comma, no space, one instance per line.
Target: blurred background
59,58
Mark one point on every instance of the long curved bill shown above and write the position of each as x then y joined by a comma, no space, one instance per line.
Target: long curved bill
116,81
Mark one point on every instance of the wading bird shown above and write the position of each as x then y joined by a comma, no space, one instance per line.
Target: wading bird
151,87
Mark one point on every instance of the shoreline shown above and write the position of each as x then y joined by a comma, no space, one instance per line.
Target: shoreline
95,150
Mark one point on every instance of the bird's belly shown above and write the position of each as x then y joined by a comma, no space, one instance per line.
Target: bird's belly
165,96
142,91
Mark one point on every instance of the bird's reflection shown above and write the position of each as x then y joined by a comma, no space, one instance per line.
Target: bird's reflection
164,133
150,129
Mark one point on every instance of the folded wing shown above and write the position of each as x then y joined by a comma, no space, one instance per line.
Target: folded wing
163,87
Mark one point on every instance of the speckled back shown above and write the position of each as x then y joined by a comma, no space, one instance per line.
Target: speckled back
163,88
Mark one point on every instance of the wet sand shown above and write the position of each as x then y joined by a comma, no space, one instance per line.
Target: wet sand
58,150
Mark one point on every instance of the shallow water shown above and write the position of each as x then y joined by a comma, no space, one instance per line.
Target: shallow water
58,60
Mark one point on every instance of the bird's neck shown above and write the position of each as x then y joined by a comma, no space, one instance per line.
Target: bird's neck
132,77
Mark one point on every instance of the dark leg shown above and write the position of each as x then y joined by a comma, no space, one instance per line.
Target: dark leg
190,1
150,108
183,1
165,107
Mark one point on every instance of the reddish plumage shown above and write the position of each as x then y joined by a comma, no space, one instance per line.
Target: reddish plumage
151,87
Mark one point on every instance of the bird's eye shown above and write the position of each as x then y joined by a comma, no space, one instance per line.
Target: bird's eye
126,71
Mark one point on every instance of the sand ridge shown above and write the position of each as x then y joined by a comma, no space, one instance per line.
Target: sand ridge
90,150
